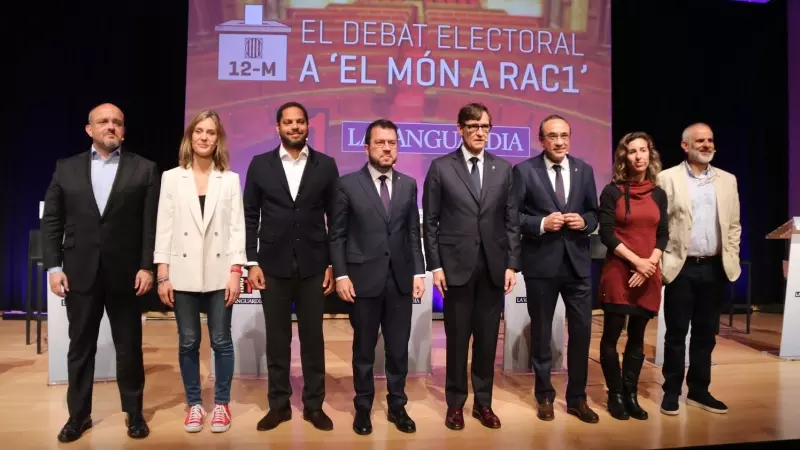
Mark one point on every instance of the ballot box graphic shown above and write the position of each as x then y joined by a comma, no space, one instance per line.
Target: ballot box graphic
252,49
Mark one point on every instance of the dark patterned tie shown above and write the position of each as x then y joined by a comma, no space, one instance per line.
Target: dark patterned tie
475,174
385,193
562,198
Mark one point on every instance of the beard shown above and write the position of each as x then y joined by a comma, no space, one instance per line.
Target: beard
696,156
376,163
298,144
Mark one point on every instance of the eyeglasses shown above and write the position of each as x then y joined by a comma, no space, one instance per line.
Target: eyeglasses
390,144
473,127
554,137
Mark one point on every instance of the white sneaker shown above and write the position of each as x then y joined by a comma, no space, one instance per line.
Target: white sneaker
194,419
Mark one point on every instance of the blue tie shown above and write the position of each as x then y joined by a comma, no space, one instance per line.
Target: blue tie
475,174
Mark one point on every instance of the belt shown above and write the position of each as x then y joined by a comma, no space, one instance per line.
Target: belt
702,259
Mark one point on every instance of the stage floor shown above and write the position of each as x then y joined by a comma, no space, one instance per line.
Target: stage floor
762,392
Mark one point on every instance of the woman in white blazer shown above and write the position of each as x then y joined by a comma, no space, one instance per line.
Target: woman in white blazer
200,251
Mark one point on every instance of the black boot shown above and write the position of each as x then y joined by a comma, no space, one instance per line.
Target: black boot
631,367
612,373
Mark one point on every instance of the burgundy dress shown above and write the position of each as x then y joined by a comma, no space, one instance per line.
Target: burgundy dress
634,214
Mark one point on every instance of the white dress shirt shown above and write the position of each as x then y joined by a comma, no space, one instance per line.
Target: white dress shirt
376,179
551,173
293,168
480,156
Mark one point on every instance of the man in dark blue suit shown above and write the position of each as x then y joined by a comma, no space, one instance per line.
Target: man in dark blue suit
558,211
377,259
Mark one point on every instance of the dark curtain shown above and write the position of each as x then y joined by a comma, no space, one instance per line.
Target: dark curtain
722,63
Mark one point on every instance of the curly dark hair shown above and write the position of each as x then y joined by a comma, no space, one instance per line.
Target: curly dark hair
621,158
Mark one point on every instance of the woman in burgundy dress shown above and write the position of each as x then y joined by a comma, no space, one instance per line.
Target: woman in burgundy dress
634,227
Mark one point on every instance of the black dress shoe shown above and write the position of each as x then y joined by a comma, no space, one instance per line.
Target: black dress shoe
319,419
583,412
73,429
402,421
274,418
137,426
362,424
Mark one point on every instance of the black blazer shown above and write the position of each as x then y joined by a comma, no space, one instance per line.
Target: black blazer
288,226
457,221
364,239
542,254
76,235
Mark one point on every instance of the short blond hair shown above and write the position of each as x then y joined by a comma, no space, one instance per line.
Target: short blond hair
220,157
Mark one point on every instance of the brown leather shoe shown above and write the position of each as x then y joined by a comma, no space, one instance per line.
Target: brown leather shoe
454,419
545,411
486,416
583,412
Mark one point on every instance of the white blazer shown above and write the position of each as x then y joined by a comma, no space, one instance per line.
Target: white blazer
200,247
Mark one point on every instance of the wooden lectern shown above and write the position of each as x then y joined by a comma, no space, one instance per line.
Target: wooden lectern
790,336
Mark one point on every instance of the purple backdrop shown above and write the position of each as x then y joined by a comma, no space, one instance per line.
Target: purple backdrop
793,16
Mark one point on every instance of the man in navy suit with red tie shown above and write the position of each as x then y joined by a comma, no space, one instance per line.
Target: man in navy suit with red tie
557,213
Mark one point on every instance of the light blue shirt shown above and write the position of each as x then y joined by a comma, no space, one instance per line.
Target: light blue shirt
705,240
102,174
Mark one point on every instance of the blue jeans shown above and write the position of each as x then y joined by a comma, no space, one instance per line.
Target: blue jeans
187,313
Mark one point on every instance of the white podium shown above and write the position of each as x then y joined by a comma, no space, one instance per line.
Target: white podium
249,335
790,336
105,367
419,344
517,333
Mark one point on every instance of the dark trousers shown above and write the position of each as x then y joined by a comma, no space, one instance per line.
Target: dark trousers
472,309
542,298
85,312
187,313
694,296
613,323
391,312
307,296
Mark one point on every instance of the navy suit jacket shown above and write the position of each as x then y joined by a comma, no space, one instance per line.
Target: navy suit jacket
364,240
543,254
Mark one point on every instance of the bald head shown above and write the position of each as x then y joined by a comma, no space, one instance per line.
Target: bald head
105,107
106,127
693,128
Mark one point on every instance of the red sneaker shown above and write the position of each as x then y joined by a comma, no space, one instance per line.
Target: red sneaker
220,419
194,419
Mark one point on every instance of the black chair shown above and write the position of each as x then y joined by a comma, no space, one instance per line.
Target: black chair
34,259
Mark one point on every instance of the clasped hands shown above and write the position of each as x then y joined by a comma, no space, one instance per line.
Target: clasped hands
555,221
642,270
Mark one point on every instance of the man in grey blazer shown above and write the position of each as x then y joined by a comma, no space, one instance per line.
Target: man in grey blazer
377,261
472,246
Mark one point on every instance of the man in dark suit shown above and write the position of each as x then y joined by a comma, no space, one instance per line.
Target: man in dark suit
378,265
557,213
472,247
287,194
98,234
